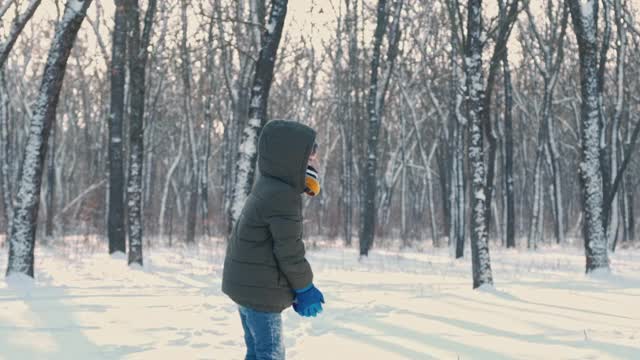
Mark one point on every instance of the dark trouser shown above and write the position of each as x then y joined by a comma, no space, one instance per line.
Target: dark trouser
262,334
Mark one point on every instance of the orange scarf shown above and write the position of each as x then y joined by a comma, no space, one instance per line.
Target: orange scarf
312,183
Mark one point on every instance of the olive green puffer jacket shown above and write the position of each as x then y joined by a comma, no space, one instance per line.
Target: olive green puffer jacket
265,256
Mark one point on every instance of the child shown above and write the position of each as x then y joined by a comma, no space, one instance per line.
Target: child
265,270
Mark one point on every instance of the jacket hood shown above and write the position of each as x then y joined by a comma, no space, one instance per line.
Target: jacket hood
283,151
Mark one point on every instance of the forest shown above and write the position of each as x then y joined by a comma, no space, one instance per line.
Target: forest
441,123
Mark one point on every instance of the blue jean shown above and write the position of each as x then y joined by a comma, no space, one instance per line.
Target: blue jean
262,334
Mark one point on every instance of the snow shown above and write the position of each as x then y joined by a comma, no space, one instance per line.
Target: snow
586,8
73,7
271,26
394,305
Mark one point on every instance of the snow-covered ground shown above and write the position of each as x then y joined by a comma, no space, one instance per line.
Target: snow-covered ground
396,305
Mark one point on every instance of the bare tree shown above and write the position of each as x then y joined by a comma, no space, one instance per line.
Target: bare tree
16,28
5,170
510,219
258,105
116,209
611,200
457,184
5,48
375,106
475,89
23,232
194,174
138,54
50,198
508,11
585,19
550,47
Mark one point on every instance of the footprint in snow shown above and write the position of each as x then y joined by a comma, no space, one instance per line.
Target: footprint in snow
178,342
213,332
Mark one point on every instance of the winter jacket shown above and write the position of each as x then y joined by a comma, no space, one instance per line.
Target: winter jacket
265,256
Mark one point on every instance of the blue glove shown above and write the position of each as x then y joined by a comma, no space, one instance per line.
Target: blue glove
308,301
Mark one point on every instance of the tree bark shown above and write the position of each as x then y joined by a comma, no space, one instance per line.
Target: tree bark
457,196
116,209
481,263
508,150
192,208
375,107
137,46
23,232
350,103
51,183
5,169
613,223
584,18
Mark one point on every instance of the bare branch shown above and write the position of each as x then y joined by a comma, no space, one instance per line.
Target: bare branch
16,28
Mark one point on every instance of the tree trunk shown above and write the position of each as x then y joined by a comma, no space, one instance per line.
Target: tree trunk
167,182
258,105
481,263
138,54
612,229
375,107
116,209
432,216
5,169
584,18
51,183
403,186
632,220
23,232
208,116
457,197
554,159
348,123
508,149
192,208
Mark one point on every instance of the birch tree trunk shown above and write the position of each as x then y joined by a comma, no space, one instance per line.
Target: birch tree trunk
475,87
584,14
23,231
262,80
116,210
137,46
5,48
